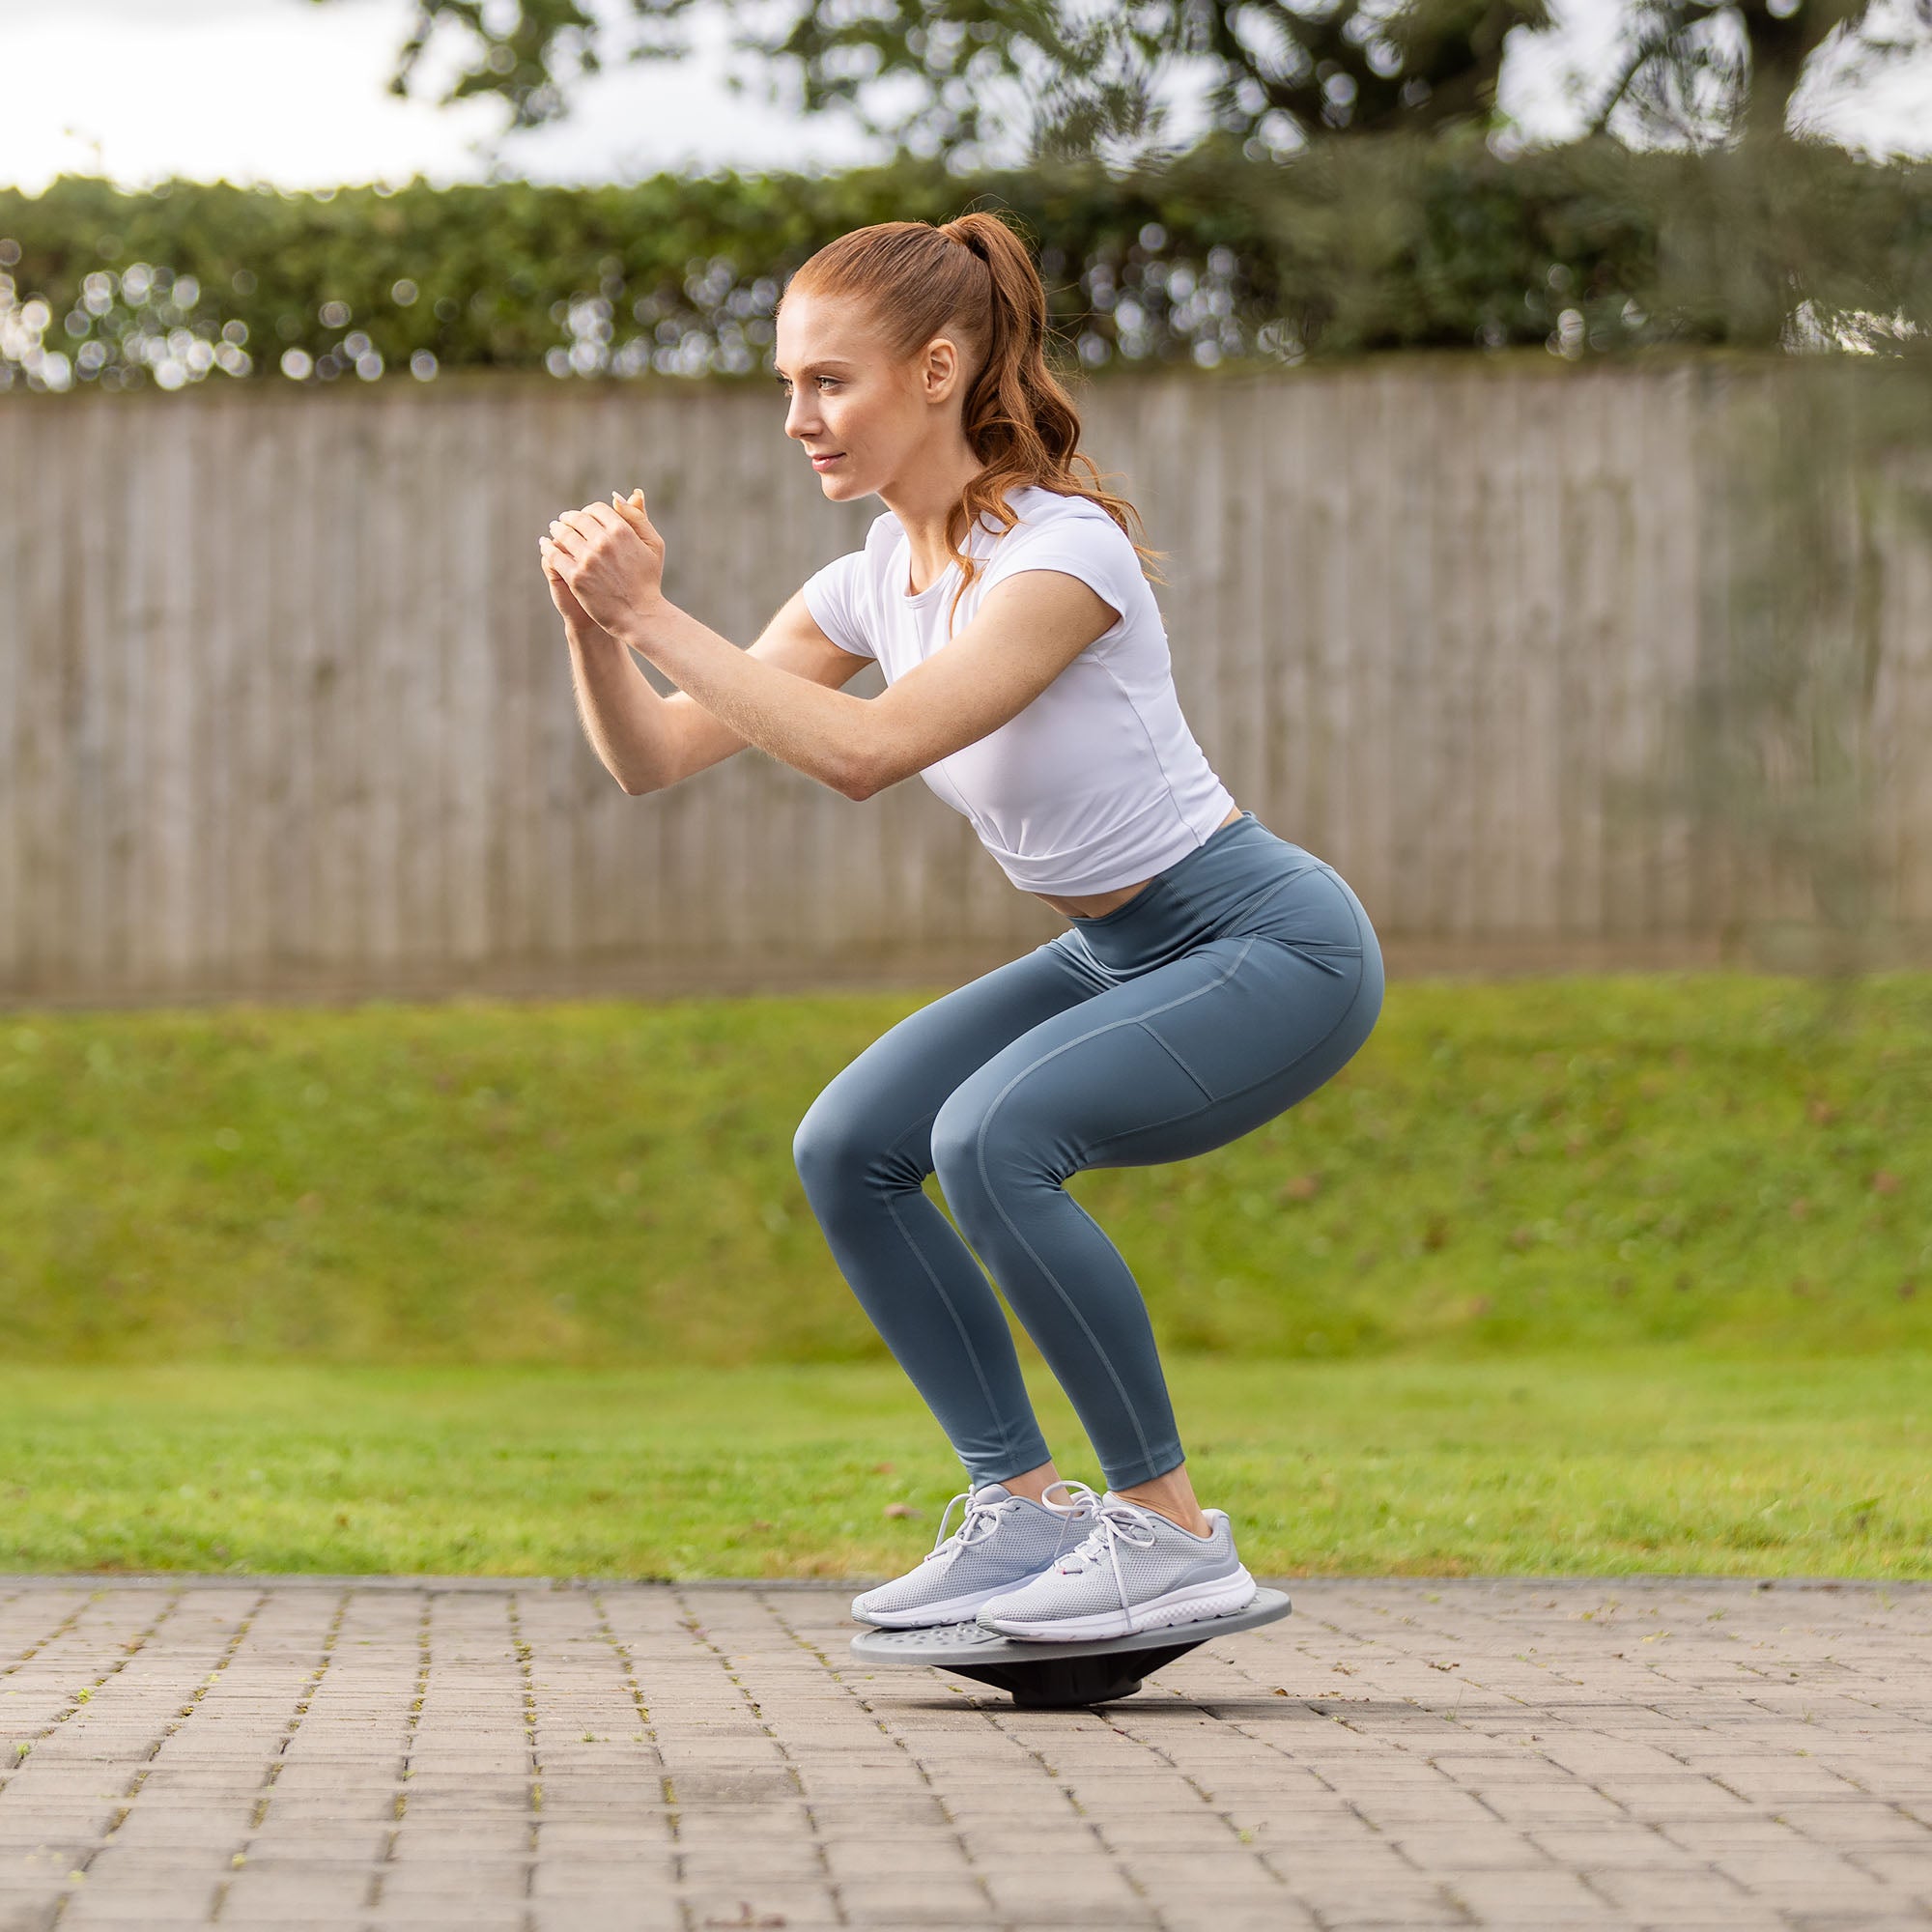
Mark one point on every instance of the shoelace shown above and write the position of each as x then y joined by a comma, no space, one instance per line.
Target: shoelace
1116,1522
979,1522
981,1519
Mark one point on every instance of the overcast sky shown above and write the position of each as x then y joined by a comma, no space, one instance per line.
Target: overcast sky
289,92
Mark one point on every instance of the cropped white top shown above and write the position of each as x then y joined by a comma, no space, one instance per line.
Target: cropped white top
1098,783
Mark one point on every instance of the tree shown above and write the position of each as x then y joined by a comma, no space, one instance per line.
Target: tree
1358,68
1280,74
1702,72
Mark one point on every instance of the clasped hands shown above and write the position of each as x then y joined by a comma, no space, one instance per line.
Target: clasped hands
605,565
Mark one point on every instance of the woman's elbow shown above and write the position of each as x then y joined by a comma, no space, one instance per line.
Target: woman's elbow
863,776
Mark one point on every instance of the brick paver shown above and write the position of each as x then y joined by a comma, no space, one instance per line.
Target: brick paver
345,1753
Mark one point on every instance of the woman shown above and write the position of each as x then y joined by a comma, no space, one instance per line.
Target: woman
1212,973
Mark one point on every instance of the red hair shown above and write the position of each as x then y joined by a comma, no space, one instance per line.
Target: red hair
974,277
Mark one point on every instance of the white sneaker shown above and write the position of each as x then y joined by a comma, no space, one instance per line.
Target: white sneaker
1002,1539
1134,1571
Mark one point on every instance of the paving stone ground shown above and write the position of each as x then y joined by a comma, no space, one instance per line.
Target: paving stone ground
520,1757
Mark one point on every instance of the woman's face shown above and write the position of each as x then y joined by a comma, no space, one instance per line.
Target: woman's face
850,402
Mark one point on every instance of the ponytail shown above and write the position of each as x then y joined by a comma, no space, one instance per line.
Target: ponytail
975,276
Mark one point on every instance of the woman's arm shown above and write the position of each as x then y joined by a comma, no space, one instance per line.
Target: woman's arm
609,562
650,742
627,721
1032,623
795,715
1030,627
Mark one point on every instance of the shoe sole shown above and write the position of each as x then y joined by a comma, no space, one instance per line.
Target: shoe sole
1197,1603
950,1610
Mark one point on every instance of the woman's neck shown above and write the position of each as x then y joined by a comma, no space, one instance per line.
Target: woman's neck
923,508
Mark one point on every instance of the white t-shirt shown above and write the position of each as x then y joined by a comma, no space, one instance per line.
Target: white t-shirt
1098,783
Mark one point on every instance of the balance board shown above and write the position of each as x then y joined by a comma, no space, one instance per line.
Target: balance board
1043,1676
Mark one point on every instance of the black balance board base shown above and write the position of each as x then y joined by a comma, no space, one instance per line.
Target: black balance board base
1049,1676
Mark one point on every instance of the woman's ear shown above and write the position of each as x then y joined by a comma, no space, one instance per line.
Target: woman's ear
941,366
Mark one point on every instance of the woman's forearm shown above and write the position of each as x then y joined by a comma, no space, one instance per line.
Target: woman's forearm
825,734
622,716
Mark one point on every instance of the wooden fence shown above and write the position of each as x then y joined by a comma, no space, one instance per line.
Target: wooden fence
285,709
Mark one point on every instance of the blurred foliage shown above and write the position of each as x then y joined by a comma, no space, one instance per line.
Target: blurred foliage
1075,79
1380,242
1704,71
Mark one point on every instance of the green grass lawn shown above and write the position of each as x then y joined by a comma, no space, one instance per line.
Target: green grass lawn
1578,1161
1658,1459
1576,1274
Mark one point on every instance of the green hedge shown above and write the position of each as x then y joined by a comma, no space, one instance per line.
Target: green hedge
1374,244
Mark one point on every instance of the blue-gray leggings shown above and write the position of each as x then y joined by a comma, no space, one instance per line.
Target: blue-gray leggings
1234,985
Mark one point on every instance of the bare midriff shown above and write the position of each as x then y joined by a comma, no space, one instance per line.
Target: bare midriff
1097,905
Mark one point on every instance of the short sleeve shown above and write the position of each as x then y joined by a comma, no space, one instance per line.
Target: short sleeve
833,596
1095,550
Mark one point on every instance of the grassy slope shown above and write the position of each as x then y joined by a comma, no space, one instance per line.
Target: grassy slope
1536,1163
1658,1459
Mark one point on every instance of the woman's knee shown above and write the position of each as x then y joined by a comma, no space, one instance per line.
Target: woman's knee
832,1143
846,1139
981,1144
955,1129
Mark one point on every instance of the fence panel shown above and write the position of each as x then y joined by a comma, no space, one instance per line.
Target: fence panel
285,709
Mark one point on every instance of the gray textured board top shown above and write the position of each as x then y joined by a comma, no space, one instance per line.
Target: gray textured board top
972,1643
